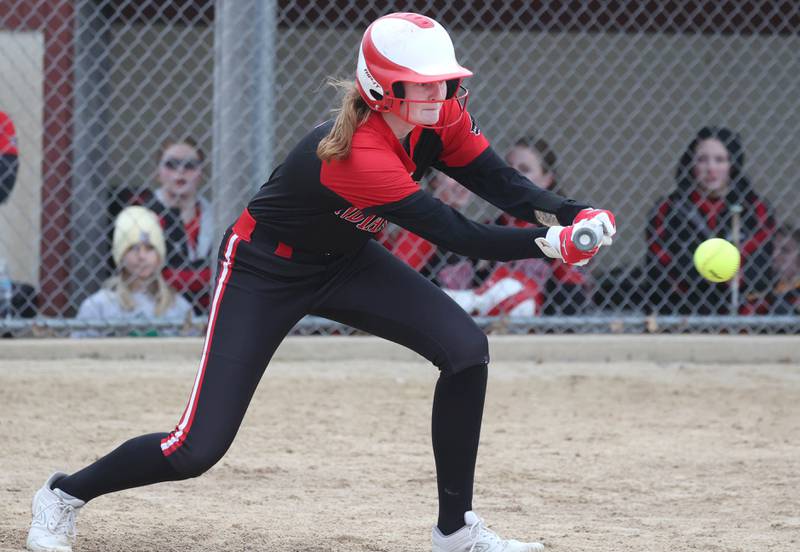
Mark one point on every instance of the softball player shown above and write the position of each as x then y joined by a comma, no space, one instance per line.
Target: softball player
304,246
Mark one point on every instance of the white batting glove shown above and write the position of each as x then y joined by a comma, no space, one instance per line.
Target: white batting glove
558,244
601,216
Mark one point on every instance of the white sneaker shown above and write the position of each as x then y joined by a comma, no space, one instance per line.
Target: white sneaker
53,525
476,537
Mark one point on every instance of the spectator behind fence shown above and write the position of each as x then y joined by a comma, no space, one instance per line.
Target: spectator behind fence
137,292
527,287
9,161
535,159
711,185
186,217
786,261
17,299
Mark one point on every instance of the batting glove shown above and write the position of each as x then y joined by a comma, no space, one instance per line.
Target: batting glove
558,244
601,216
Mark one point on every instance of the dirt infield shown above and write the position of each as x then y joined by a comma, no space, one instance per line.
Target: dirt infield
335,455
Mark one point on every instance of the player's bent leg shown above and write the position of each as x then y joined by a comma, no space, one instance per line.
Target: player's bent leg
136,462
455,432
239,344
207,429
474,535
383,296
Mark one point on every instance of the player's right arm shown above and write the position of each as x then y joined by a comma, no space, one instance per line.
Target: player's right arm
467,157
489,177
431,219
434,221
376,181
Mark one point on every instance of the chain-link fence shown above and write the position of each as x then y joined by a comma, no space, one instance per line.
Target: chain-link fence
184,107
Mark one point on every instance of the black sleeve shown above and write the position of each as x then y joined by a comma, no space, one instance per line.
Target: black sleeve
431,219
8,175
492,179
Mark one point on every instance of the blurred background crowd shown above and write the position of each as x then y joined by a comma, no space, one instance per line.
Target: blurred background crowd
132,133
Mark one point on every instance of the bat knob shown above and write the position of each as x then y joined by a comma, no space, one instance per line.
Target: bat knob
585,238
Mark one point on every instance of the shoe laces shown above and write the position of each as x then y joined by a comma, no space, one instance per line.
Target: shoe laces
478,532
62,520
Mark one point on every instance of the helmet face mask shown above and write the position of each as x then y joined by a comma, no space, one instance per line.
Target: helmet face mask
401,106
407,47
453,86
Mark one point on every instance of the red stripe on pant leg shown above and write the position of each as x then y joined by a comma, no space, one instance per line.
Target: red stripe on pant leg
233,244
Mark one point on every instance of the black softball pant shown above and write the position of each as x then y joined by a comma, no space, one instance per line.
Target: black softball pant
259,296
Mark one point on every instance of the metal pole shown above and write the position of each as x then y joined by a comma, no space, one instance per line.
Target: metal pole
736,238
244,57
91,171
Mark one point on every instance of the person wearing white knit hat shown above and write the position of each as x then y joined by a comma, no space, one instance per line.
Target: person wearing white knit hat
137,293
137,226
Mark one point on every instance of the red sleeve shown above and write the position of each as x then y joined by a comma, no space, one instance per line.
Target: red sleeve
765,229
373,174
657,233
463,141
8,136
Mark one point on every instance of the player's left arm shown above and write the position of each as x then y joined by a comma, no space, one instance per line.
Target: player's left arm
488,176
467,157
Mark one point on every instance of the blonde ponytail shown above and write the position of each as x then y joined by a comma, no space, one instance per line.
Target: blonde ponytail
352,113
164,296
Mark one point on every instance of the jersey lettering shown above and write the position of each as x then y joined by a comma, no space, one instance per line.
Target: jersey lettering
351,214
372,224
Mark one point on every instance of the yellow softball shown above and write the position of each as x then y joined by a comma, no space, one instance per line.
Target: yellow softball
717,260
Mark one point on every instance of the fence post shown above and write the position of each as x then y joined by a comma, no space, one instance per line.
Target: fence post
244,51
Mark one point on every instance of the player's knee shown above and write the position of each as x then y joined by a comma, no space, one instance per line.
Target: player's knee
472,350
196,462
476,375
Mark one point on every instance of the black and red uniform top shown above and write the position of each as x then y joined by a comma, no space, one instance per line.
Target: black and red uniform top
335,207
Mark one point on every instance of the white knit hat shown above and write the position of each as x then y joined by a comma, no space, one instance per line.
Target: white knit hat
136,225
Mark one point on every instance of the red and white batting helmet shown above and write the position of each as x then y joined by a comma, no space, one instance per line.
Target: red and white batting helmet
405,47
